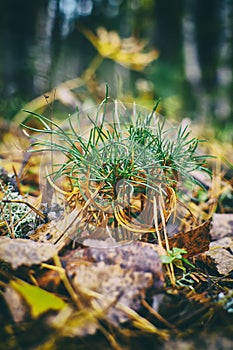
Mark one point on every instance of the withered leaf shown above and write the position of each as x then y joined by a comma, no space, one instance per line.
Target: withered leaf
194,241
59,231
15,303
222,226
122,275
219,256
135,256
18,252
116,285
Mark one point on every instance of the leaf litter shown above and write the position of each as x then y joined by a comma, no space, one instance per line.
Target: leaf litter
78,291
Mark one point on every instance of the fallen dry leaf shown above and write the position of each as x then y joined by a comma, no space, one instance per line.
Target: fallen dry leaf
219,256
122,275
222,226
18,252
58,231
194,241
136,256
116,285
17,307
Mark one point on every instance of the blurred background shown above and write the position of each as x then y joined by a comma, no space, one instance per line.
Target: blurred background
181,51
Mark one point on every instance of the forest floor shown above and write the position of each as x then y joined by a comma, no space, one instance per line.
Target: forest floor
57,292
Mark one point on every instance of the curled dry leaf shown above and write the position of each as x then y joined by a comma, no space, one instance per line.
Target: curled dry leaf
18,252
59,231
220,256
195,241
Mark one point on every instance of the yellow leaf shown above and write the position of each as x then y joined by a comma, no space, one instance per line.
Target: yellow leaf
38,299
125,51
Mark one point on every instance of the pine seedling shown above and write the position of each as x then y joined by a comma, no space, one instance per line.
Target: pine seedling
130,156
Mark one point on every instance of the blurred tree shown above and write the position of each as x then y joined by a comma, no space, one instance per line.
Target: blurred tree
168,34
56,38
17,27
168,73
208,30
41,47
